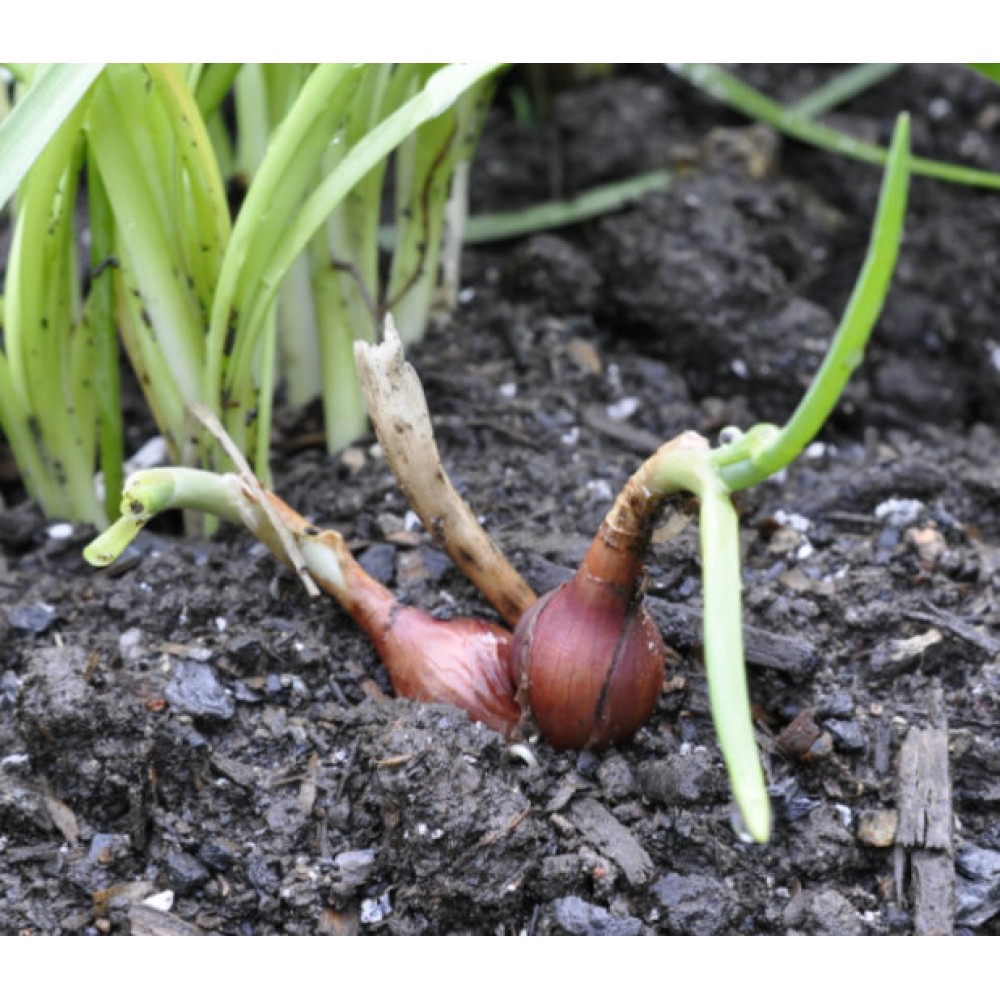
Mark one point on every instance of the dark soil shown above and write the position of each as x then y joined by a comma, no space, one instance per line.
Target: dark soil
188,721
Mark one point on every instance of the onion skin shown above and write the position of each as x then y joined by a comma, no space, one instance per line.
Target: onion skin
461,662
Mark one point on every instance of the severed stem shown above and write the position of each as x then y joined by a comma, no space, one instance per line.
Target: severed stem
398,410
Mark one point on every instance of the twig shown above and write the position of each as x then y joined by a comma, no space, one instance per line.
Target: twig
952,623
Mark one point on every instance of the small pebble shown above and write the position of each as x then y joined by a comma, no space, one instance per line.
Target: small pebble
184,872
216,856
351,870
379,561
623,409
574,915
877,827
196,690
130,647
374,911
847,734
162,901
31,618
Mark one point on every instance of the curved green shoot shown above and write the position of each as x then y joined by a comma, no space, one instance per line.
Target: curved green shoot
727,88
55,91
692,470
154,491
766,450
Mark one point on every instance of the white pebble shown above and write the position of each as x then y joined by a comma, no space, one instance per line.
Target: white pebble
623,409
162,901
899,513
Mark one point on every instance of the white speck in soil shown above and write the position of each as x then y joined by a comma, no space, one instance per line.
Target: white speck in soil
374,911
162,901
899,513
623,409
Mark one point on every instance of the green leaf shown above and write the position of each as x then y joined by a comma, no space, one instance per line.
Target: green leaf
555,214
991,70
728,89
842,88
759,455
53,95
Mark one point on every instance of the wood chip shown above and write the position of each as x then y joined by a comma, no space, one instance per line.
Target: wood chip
932,877
925,818
149,922
925,823
64,819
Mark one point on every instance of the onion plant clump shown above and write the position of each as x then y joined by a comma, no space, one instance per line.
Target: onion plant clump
212,308
584,664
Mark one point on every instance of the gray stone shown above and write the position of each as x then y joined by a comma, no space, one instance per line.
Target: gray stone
613,839
31,618
185,873
681,779
351,870
196,690
847,734
574,915
695,904
977,885
822,912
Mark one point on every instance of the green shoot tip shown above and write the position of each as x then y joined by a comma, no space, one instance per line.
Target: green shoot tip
110,544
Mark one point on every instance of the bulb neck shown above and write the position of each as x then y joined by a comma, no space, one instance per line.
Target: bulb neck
337,572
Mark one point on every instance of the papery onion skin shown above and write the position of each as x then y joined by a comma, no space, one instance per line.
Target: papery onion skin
461,662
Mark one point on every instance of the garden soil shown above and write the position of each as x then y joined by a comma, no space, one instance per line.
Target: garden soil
189,745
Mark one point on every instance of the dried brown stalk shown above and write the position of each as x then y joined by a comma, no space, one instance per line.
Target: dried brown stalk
398,410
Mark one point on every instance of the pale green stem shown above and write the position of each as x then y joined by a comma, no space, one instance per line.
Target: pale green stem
555,214
691,469
842,88
219,495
